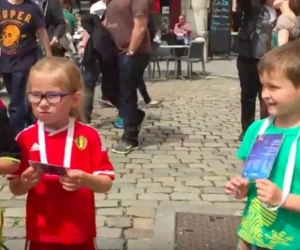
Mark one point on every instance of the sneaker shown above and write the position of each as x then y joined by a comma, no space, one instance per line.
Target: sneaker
118,123
124,148
105,103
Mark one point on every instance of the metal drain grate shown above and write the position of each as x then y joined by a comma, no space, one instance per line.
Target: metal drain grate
205,232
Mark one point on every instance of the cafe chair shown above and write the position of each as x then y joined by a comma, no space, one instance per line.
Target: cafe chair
158,54
195,55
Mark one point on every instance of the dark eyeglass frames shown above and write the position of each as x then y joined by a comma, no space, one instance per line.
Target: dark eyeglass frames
51,97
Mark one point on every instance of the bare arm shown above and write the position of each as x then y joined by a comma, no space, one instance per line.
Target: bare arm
283,36
292,203
17,187
140,14
44,39
97,183
176,29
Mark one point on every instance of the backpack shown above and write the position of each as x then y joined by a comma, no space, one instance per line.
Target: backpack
261,36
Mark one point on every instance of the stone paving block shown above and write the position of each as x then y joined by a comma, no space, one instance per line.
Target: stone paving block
109,211
184,196
110,244
15,244
199,183
106,204
148,185
155,197
139,203
119,222
159,190
133,233
105,232
14,212
100,221
139,244
141,212
13,232
143,223
122,196
215,197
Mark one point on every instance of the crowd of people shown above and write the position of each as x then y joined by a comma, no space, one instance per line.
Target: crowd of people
49,152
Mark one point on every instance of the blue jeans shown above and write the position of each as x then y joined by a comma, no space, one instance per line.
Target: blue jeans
15,84
131,76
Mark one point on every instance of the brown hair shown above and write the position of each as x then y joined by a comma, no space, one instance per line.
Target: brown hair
68,75
295,6
285,60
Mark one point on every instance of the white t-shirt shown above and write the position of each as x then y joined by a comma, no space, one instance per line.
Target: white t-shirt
98,8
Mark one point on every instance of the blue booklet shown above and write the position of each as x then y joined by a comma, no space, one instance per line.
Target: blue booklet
262,156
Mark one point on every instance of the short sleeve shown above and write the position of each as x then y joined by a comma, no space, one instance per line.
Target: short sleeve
284,22
39,19
24,158
248,140
140,8
101,164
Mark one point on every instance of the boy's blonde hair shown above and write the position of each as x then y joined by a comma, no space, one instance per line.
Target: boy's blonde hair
66,74
284,60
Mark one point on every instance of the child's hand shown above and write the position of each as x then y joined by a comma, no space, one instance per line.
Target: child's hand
72,180
237,186
268,192
31,177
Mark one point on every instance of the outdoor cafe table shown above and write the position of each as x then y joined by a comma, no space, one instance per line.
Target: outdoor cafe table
174,47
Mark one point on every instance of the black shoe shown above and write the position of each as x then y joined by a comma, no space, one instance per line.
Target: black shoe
241,137
124,148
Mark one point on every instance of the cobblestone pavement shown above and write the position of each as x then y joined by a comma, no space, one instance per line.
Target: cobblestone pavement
188,153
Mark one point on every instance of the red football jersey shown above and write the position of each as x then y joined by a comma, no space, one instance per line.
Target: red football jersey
52,213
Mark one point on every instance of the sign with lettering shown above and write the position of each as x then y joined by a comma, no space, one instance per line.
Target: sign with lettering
220,26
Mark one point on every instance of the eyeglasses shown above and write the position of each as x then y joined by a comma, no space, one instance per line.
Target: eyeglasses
51,97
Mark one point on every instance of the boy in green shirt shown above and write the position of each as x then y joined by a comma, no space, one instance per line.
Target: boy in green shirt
70,19
271,220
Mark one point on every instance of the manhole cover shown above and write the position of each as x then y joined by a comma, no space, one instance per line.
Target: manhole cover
205,232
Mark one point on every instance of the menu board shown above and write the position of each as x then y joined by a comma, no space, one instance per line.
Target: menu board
220,26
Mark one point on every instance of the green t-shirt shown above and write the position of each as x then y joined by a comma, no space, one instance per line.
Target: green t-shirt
278,230
71,19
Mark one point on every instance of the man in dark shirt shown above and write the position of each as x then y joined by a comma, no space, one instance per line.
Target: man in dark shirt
54,22
127,22
20,21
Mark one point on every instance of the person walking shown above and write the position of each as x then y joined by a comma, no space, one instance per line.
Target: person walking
127,22
20,29
252,42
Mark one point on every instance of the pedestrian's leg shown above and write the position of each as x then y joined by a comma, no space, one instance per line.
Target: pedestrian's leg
89,79
15,83
110,81
144,93
249,90
131,69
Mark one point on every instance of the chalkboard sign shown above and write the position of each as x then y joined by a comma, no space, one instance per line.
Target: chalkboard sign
220,26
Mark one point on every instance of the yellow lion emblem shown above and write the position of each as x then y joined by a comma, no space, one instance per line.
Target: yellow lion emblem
81,142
